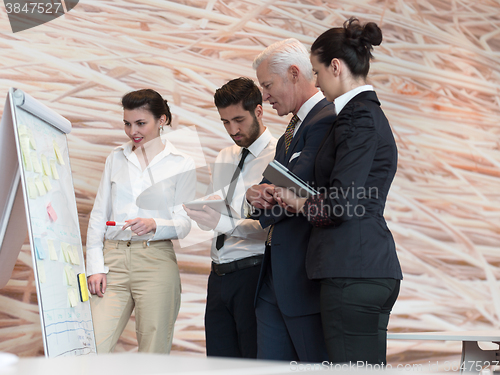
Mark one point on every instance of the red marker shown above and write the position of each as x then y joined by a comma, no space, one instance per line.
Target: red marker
115,224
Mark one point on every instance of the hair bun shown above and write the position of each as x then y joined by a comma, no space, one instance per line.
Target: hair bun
362,37
372,34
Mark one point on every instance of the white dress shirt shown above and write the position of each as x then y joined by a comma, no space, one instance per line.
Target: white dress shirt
343,99
306,108
244,237
122,182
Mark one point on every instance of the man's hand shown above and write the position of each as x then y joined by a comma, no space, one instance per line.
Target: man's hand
140,226
261,196
97,284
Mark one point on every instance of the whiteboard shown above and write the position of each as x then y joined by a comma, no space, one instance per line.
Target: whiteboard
13,226
52,221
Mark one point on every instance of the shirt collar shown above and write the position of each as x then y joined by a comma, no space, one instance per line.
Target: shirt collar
169,148
309,104
126,147
343,99
260,143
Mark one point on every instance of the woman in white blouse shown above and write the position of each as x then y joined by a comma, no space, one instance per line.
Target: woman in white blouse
133,264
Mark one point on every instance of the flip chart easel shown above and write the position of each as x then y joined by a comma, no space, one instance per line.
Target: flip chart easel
37,194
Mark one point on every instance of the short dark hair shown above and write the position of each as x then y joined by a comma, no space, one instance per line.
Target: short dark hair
351,43
239,90
149,100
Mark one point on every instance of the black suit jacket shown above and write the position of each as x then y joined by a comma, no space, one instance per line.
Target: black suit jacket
354,167
295,293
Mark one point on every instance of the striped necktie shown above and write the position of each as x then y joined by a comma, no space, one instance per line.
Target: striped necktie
289,132
288,140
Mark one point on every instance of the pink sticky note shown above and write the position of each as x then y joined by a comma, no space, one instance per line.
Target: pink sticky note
51,212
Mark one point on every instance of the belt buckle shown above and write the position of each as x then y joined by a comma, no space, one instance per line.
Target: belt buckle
215,269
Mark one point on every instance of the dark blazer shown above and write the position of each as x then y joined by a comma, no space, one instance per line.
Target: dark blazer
295,293
355,166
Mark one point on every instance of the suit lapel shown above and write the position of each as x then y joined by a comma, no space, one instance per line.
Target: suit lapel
317,108
280,151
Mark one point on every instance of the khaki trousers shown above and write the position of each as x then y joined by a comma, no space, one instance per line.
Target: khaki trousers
141,276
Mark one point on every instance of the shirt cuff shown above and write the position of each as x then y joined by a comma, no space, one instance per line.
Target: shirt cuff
95,262
171,229
316,211
248,209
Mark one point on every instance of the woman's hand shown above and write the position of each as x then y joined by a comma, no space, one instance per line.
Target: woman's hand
97,284
261,196
288,200
140,226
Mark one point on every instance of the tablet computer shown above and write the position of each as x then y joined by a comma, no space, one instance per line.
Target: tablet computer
216,204
280,175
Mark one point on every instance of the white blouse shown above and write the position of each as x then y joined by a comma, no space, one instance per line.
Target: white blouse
173,174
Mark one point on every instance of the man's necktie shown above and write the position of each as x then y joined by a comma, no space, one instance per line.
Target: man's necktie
230,192
289,132
288,140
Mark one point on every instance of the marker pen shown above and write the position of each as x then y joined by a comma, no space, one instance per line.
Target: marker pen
115,223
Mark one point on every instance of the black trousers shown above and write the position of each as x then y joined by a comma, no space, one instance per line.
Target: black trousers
355,314
230,324
286,338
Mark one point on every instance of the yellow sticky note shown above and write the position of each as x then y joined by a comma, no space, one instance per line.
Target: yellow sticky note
70,275
31,188
52,250
58,153
40,186
75,259
22,130
37,168
27,161
46,183
69,253
53,168
65,247
25,151
73,297
64,251
32,139
41,271
45,165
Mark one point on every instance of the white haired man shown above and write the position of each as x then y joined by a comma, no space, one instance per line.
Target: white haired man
287,302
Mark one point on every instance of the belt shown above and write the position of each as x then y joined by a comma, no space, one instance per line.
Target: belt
129,243
240,264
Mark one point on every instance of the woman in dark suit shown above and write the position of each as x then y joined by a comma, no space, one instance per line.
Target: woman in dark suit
351,250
